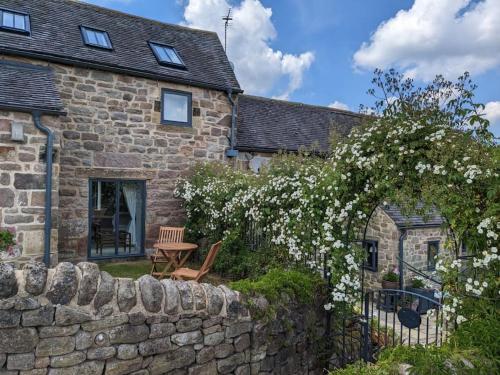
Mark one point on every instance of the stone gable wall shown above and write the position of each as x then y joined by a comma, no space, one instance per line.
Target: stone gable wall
383,230
112,130
80,320
22,185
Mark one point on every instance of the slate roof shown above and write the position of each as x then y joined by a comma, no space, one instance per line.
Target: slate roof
413,221
55,36
270,125
26,87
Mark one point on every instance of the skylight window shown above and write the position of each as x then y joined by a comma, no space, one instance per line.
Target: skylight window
14,21
166,55
96,38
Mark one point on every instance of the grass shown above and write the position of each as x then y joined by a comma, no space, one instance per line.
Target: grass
138,268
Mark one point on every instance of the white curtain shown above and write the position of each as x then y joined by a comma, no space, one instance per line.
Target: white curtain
130,192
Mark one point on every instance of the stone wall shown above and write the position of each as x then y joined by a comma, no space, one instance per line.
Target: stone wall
78,320
112,130
22,184
383,230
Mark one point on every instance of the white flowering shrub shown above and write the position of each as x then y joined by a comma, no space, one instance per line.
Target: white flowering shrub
427,148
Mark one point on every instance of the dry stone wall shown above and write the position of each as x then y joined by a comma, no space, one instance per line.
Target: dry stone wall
80,320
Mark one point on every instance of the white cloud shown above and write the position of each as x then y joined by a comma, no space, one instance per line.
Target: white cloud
339,105
436,37
492,113
259,67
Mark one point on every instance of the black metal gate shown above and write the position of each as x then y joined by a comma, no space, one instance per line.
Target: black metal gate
401,317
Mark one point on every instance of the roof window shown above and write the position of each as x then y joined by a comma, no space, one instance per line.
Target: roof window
14,21
96,38
166,55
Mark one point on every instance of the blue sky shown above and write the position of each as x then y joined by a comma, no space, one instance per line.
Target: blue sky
324,51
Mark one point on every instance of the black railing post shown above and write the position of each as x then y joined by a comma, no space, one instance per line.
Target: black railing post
366,338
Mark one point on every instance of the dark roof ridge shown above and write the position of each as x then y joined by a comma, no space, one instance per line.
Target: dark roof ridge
90,5
300,104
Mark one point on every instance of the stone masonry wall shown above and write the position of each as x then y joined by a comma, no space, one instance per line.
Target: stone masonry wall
79,320
112,130
383,230
22,185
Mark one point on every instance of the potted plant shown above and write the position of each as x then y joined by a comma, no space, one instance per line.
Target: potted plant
390,279
7,242
422,288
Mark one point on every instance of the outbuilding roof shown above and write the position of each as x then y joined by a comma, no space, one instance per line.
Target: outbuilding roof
432,219
55,35
270,125
26,87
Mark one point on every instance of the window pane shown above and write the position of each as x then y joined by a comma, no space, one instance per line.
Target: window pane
101,39
163,54
19,22
433,249
8,19
173,56
175,107
91,36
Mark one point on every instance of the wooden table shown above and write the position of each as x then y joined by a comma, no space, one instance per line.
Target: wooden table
171,252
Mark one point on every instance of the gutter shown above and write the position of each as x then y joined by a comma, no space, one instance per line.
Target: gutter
232,152
402,237
48,185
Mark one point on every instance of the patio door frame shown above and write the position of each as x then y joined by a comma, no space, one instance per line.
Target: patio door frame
118,182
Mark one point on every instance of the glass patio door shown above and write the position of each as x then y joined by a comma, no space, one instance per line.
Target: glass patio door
116,218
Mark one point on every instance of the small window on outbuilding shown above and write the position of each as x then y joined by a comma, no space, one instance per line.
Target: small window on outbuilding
371,248
166,55
176,108
14,21
96,38
432,252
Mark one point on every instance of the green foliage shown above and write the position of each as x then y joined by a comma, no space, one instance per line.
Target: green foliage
7,239
417,283
301,286
391,276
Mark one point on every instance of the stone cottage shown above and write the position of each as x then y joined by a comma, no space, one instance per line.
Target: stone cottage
266,126
119,107
125,105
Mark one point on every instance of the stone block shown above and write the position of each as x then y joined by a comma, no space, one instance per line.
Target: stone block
85,368
209,368
187,338
127,351
55,331
186,295
154,346
55,346
224,350
88,282
238,329
108,322
66,315
205,354
161,330
35,277
128,334
101,353
8,281
9,318
67,360
242,342
172,298
7,197
177,359
25,361
226,365
126,297
18,340
105,291
214,338
188,324
29,181
119,367
151,293
64,284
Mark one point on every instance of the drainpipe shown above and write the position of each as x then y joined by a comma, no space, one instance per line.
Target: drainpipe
48,185
232,152
402,237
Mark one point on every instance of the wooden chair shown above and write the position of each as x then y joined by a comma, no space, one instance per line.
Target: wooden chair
197,275
167,234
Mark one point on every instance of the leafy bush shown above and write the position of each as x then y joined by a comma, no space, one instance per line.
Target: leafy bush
7,239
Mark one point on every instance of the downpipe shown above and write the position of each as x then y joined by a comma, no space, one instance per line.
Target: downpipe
402,237
232,152
48,185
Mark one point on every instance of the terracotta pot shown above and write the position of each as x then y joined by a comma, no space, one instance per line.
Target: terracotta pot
390,284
